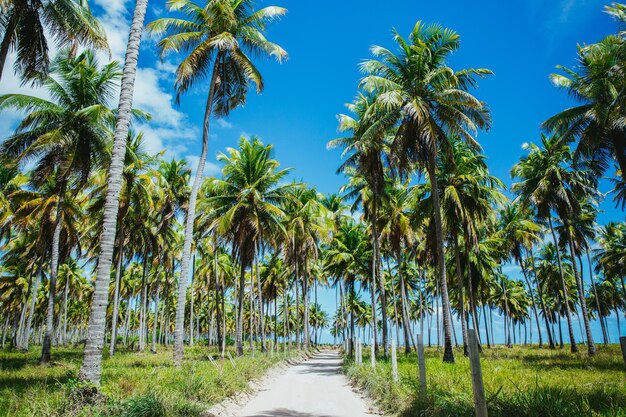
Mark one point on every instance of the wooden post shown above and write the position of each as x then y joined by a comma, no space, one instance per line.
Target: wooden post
622,343
421,364
480,403
394,361
372,355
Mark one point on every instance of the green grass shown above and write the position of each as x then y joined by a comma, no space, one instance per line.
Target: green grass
134,384
518,382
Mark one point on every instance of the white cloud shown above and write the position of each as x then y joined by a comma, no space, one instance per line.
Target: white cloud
169,130
224,124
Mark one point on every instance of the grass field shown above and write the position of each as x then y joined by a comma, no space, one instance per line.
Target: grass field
519,382
135,384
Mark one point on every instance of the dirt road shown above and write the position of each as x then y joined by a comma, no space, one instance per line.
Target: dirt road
315,388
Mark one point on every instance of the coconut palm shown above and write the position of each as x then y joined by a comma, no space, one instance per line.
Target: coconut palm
91,369
520,233
547,182
598,84
431,103
172,179
66,136
363,150
26,27
348,259
246,207
307,225
219,39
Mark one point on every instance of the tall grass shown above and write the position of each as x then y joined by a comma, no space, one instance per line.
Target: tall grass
518,382
134,384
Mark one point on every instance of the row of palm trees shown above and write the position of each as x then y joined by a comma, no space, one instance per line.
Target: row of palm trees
239,257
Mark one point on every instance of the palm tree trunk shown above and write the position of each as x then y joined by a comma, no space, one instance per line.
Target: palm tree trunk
64,317
217,299
448,353
305,301
144,299
239,327
568,314
31,309
486,327
54,269
157,294
193,276
542,302
260,295
352,319
91,368
591,347
222,297
298,340
179,329
532,300
595,292
459,283
406,325
116,293
378,277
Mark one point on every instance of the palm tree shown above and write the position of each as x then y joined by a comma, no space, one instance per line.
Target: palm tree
246,208
598,84
397,231
67,137
431,103
219,39
172,179
347,259
521,233
26,24
364,150
546,182
307,224
467,194
91,369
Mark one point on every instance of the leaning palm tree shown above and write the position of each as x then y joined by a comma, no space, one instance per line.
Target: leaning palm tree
27,25
431,103
66,136
219,39
91,369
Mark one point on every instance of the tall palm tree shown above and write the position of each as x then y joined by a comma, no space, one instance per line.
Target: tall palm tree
172,179
66,136
307,224
91,369
364,151
219,39
26,25
246,207
548,184
348,258
431,103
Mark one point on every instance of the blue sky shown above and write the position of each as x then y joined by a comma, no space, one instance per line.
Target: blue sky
521,42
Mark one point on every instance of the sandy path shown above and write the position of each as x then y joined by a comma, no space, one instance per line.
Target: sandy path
315,388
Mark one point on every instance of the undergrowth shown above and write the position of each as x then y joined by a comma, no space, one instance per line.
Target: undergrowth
518,382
